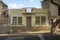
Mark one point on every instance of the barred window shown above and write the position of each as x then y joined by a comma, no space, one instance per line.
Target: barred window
37,20
43,20
19,20
14,21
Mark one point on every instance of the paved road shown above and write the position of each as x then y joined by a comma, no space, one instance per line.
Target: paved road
44,36
14,38
29,37
49,36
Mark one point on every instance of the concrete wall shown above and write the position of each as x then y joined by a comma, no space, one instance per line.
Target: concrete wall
51,7
17,13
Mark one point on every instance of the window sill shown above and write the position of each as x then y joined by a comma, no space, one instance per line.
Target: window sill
17,25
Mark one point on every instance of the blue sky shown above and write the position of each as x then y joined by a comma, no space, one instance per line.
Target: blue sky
15,4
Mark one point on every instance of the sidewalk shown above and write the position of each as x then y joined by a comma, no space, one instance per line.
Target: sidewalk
57,32
37,32
25,33
3,35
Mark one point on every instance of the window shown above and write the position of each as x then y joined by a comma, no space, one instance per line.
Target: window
14,21
37,20
19,20
43,20
28,9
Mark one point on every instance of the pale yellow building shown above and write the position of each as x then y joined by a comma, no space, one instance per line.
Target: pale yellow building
28,19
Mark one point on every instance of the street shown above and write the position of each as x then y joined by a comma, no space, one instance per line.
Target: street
29,37
42,36
49,36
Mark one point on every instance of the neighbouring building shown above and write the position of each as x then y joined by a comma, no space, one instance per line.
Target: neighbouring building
28,19
55,14
53,7
4,17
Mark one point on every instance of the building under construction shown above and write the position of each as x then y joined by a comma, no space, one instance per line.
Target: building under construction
4,17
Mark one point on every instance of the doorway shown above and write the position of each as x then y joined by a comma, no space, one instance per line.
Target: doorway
28,23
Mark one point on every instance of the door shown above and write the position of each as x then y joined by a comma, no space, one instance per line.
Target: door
58,11
28,23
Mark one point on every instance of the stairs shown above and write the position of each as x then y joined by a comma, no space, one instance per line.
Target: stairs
56,23
53,26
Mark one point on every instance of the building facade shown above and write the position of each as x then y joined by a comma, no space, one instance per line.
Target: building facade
4,16
28,19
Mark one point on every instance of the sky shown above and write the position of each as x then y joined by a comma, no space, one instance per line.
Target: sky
17,4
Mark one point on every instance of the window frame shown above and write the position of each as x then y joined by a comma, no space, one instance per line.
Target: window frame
40,20
20,21
13,20
37,20
44,19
